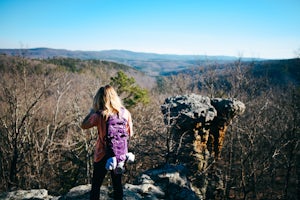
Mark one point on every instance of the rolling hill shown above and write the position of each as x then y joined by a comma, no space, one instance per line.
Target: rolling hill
150,63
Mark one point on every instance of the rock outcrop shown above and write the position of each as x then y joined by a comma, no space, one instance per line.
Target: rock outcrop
169,182
197,126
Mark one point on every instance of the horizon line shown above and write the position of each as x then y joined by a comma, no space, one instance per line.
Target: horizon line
145,52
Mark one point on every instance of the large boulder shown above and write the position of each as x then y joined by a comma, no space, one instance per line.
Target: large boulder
197,126
199,121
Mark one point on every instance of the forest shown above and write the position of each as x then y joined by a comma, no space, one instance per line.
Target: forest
43,102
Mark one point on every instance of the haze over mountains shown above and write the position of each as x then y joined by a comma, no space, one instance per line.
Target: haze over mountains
150,63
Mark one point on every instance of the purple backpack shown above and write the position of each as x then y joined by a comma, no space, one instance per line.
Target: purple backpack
117,136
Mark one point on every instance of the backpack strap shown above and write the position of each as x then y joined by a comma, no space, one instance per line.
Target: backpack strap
122,111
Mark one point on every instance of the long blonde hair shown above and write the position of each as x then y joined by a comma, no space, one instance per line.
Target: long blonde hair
107,101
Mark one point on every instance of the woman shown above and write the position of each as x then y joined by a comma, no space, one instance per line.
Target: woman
106,103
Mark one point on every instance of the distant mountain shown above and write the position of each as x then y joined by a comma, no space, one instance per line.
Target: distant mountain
107,54
150,63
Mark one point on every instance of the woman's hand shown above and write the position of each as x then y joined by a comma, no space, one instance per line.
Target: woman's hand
111,163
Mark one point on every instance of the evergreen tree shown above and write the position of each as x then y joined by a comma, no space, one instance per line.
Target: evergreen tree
129,91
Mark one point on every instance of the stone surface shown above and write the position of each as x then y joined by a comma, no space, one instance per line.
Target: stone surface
185,111
197,127
26,194
168,182
204,119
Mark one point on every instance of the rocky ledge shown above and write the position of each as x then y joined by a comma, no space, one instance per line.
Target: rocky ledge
163,183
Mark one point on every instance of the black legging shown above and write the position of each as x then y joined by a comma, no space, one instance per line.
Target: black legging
98,177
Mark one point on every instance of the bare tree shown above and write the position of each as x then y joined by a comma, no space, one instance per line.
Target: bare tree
22,94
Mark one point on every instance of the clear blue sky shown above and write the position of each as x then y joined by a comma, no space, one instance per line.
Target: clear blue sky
247,28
